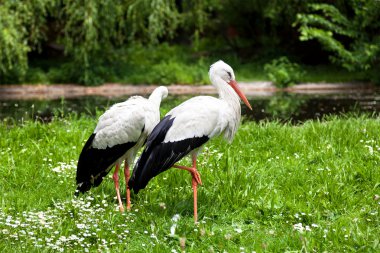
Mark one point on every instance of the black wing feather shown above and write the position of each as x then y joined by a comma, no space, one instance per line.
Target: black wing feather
158,156
94,164
159,131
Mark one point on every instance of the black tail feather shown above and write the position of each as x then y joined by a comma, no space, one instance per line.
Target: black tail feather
94,164
157,159
159,156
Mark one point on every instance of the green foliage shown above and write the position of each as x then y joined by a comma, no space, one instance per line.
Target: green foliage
139,65
332,74
21,30
162,64
89,38
351,35
171,73
90,32
283,73
273,185
13,47
150,21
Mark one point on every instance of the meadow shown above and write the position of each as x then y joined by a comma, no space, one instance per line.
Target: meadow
310,187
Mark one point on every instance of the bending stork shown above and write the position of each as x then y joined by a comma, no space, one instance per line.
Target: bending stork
188,126
121,131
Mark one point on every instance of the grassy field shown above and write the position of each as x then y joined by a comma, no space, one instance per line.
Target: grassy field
307,188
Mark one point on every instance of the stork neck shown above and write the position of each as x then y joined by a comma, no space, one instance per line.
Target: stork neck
227,94
156,98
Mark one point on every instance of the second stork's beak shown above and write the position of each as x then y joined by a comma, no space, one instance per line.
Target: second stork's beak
236,88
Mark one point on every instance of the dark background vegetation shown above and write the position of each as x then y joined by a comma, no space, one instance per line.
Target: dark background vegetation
174,41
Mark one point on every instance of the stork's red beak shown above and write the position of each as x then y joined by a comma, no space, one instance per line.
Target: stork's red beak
236,88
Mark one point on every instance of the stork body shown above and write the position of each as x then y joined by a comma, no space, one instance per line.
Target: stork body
121,131
188,126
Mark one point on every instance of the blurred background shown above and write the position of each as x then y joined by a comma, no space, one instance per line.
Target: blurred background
91,42
164,42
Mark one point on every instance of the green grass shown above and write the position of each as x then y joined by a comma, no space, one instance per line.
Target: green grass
276,188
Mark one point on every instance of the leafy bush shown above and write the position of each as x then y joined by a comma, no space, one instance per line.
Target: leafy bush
96,38
283,73
161,64
173,73
20,32
351,32
90,32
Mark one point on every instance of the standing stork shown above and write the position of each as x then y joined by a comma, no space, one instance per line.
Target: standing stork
188,126
121,131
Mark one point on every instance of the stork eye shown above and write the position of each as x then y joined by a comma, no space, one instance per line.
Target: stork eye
229,74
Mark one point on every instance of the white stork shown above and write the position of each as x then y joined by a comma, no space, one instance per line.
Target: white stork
121,131
188,126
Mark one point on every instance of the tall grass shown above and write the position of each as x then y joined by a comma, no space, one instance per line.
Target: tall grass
308,188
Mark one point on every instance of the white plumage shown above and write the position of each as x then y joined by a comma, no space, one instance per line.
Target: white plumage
202,116
190,125
120,133
124,122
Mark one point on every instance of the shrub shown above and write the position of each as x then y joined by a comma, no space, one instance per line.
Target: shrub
173,72
350,33
283,73
23,29
162,64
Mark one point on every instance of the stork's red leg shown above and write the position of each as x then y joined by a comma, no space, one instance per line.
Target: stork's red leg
193,170
195,193
116,181
127,175
196,179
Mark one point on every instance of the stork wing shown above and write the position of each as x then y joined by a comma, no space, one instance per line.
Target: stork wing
122,123
118,130
94,164
185,128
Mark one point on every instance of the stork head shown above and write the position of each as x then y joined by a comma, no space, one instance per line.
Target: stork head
222,73
158,95
161,92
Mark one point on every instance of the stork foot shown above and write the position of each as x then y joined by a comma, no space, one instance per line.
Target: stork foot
196,176
193,171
